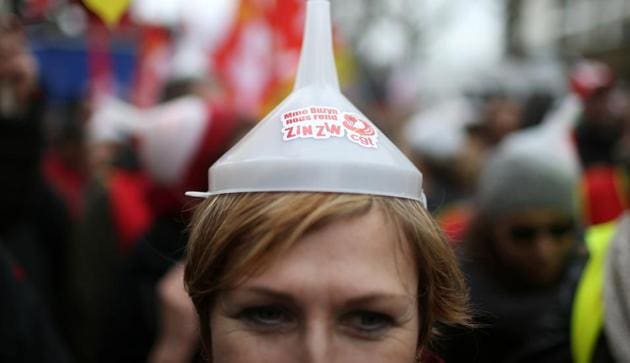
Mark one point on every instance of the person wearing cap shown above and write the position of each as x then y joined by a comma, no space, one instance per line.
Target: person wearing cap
314,243
520,257
599,126
598,130
319,277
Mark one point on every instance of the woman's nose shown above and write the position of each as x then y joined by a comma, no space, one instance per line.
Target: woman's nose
317,341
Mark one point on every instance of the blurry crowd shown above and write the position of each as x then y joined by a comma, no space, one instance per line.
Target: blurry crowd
532,194
531,191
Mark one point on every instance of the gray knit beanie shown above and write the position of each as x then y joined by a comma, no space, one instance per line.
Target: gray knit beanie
524,175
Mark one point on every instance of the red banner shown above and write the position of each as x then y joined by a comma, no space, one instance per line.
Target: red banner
257,60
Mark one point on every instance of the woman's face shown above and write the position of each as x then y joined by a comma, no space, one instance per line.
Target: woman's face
535,244
344,293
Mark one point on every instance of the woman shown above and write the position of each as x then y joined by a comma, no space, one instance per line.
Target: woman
319,277
314,244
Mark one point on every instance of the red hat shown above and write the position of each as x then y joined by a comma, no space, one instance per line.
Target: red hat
588,77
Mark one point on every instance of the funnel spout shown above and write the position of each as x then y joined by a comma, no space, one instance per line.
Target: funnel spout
317,61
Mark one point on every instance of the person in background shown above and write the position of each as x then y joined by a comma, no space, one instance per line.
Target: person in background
601,309
599,127
64,162
601,140
536,107
133,324
435,138
597,132
34,224
520,259
500,116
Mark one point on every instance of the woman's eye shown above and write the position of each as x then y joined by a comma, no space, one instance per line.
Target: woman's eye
368,323
266,316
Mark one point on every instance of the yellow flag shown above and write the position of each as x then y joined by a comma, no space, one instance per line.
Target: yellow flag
110,11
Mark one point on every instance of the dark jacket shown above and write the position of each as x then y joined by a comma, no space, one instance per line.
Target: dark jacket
134,322
26,332
514,325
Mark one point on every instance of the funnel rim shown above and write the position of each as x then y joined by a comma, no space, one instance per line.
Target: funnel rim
207,194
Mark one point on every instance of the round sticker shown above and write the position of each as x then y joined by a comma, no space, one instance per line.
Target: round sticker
358,126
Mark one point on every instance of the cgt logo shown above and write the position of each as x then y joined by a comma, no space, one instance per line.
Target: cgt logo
358,126
360,131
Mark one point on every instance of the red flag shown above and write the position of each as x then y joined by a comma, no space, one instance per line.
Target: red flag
258,58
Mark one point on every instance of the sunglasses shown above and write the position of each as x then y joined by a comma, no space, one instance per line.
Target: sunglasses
522,232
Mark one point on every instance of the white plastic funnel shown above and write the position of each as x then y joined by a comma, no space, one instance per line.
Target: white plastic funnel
315,140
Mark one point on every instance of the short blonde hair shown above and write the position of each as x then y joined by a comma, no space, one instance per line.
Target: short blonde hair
234,236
